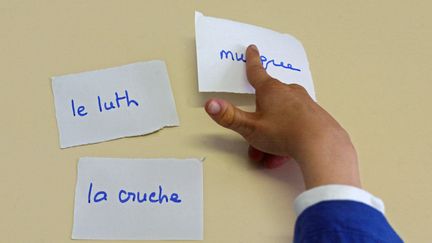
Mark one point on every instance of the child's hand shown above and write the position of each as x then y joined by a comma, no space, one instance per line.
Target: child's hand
287,122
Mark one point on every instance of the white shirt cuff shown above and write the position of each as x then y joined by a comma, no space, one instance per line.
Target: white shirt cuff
336,192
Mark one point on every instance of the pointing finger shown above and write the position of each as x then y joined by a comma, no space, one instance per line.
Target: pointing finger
255,71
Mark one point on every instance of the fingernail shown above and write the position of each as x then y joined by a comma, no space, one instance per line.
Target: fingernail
253,47
213,108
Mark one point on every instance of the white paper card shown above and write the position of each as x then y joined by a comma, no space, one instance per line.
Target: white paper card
138,199
221,46
101,105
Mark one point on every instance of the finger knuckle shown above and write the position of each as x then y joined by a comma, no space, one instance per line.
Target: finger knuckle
256,69
227,118
296,87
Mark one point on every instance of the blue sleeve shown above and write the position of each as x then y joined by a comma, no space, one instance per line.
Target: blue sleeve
343,221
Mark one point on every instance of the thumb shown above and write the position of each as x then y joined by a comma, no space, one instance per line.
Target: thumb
229,116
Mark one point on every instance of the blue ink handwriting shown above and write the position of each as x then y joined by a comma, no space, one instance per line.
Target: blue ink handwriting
99,196
80,110
234,56
154,197
118,102
125,196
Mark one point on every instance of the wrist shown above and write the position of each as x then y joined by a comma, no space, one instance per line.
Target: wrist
330,163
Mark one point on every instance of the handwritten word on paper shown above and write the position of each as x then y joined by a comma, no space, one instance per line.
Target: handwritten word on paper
80,110
125,196
229,55
221,46
129,100
142,199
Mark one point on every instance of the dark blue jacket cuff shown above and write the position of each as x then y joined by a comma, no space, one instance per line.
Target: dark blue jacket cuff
343,221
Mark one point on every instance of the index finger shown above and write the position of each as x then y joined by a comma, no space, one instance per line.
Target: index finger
255,71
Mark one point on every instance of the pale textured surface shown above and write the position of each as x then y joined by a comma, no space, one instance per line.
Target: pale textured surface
370,61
